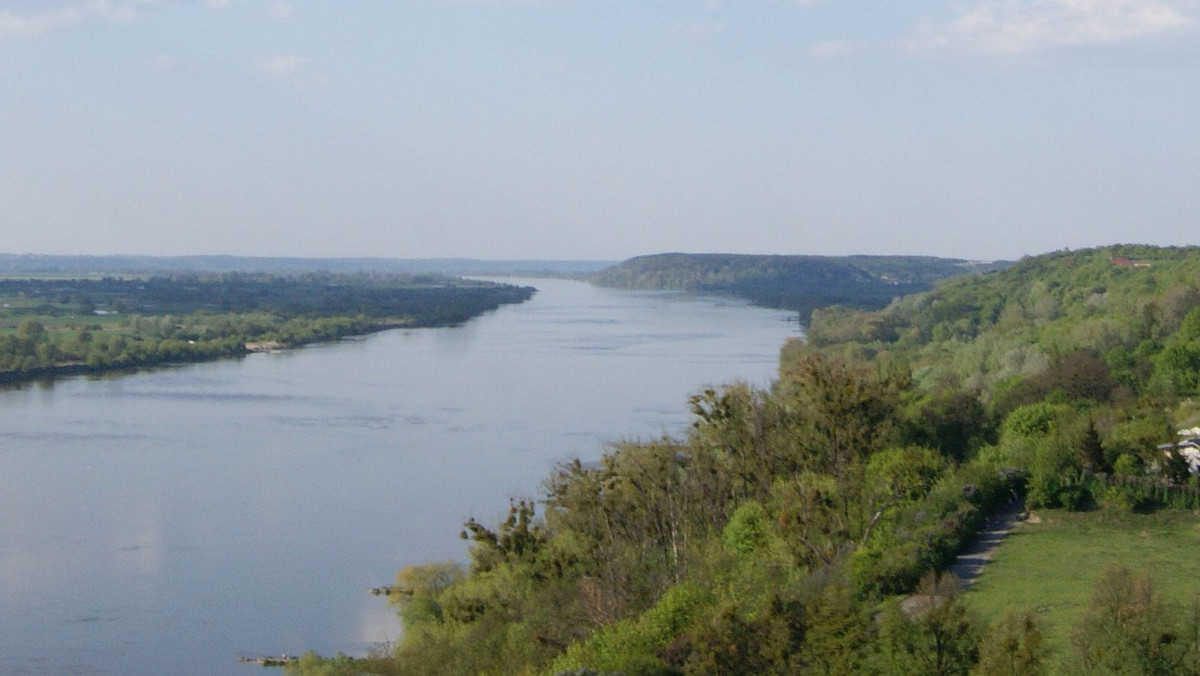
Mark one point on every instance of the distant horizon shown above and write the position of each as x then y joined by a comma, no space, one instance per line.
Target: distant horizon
271,257
463,258
86,264
469,259
865,251
537,130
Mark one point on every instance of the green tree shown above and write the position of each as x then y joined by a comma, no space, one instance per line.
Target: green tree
1129,629
837,633
941,642
1091,451
31,332
1014,646
844,412
896,476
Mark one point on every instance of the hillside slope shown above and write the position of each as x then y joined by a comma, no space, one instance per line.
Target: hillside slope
1125,305
800,283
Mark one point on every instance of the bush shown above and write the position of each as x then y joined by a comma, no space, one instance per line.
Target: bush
1075,497
636,647
1125,498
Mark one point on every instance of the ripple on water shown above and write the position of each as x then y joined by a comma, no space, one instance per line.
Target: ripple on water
361,422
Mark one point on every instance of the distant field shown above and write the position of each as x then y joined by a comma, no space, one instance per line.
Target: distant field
1052,566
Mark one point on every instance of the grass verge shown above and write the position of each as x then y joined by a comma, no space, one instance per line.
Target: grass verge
1050,563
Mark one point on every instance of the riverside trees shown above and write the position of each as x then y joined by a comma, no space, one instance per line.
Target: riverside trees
756,544
781,532
98,324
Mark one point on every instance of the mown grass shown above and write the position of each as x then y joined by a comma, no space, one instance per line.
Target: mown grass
1051,567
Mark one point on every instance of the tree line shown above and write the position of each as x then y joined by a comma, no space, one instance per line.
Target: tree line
799,283
90,325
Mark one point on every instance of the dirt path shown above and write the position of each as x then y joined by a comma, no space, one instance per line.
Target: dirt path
970,563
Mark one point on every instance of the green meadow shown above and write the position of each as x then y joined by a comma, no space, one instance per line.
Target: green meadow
1050,563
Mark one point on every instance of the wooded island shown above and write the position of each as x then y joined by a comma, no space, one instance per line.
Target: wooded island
51,327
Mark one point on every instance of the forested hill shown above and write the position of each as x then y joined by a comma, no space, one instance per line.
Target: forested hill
800,283
1123,305
783,532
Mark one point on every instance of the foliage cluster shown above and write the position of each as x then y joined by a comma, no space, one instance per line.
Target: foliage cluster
757,544
781,534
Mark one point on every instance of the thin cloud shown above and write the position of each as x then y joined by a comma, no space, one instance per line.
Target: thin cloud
1017,27
831,49
282,66
14,25
290,68
280,11
162,62
701,30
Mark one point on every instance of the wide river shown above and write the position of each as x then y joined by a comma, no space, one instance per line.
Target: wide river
174,520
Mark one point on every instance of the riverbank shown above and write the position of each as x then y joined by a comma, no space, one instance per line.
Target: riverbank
50,373
53,329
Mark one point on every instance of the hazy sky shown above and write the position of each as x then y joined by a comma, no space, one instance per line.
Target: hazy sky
597,129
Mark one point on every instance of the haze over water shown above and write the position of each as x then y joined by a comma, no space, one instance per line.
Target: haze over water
174,520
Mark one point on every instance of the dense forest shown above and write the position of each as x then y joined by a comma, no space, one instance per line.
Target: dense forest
784,533
59,326
800,283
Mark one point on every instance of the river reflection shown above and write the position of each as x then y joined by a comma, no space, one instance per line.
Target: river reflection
173,520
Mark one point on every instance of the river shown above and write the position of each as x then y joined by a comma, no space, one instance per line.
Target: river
174,520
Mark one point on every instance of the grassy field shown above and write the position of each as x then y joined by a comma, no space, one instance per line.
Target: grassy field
1051,566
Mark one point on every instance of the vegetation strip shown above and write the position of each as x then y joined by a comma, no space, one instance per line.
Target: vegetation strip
800,283
57,327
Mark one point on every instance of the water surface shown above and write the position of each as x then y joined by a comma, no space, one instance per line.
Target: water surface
171,521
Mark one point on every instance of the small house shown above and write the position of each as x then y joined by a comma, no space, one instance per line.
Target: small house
1189,449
